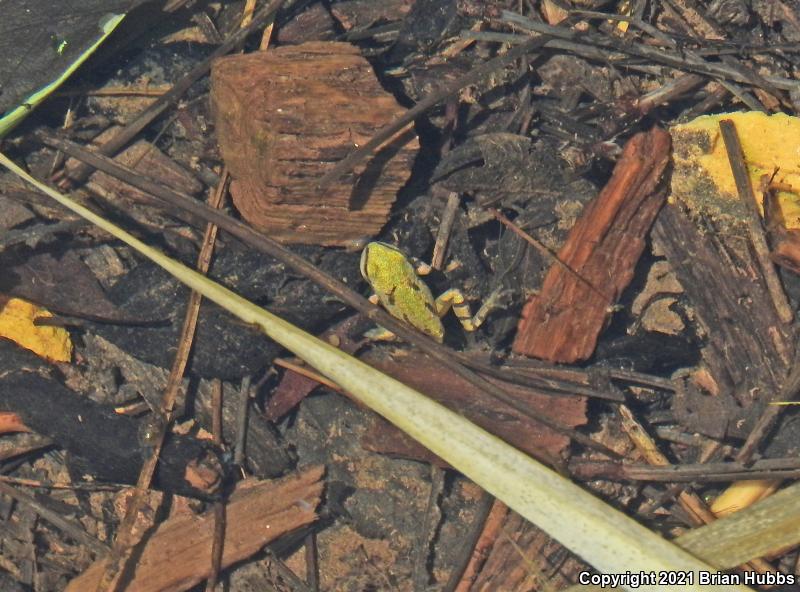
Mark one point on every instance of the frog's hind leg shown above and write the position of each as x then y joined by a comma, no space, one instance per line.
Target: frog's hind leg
453,298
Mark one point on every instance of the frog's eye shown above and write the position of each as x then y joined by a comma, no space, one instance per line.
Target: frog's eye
363,264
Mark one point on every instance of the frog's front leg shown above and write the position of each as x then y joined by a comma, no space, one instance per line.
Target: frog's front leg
379,333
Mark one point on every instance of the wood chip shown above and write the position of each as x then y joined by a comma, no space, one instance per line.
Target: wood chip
284,118
562,322
178,554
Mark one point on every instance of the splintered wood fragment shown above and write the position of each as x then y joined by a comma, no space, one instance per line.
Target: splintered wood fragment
747,348
284,118
11,423
178,554
355,14
525,558
786,249
145,157
563,321
492,530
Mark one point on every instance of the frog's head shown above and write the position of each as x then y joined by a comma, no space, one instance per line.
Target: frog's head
379,260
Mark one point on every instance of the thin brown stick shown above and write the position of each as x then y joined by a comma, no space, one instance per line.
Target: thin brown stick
66,486
312,561
216,411
123,545
742,178
308,373
116,91
445,228
427,530
772,468
217,544
241,422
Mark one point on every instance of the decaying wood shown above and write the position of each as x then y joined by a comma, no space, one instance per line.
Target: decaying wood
144,157
747,348
285,117
526,559
313,24
492,529
562,322
505,422
11,423
102,444
178,554
355,14
786,250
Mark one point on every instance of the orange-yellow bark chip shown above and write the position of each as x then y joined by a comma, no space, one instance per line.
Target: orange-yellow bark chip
702,175
17,324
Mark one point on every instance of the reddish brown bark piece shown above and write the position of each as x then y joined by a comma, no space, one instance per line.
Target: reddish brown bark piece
288,115
353,14
178,554
562,322
525,558
786,250
11,423
442,385
492,529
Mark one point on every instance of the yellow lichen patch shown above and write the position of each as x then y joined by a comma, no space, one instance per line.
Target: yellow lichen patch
17,324
702,175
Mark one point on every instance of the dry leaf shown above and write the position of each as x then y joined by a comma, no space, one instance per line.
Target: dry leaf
17,324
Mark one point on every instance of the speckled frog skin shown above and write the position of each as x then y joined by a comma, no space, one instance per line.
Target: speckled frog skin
401,291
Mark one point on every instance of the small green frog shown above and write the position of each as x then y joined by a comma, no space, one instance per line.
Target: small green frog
400,289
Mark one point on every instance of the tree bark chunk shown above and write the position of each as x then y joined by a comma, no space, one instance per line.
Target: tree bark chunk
284,118
177,555
562,322
747,348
